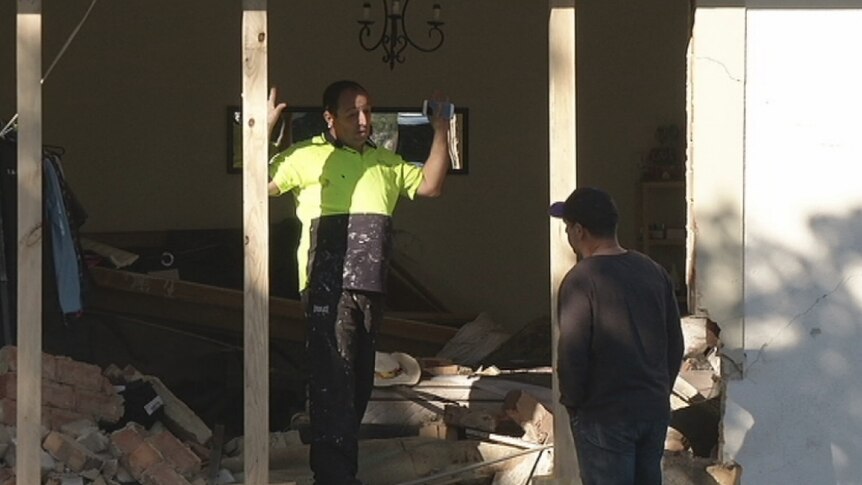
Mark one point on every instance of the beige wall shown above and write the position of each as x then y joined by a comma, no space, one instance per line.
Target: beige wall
631,79
138,101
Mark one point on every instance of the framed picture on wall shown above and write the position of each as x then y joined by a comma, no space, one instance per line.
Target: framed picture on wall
405,131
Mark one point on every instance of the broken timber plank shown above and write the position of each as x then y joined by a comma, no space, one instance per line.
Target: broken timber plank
29,74
220,308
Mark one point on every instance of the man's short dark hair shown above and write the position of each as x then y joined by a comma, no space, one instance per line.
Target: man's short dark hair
590,207
332,93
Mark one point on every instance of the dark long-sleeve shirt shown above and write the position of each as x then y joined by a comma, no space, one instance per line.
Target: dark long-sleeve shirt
621,344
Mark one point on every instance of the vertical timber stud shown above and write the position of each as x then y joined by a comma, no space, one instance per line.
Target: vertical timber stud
256,239
563,171
29,73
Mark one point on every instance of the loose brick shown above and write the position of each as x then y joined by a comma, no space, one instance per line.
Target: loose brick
54,418
8,412
58,395
53,394
142,458
162,474
127,439
77,429
79,374
71,453
110,468
104,407
49,367
9,385
176,453
9,362
7,475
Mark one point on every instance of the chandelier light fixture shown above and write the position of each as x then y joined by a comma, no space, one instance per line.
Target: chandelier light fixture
394,38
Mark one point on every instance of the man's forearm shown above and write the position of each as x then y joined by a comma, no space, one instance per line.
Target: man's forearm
436,166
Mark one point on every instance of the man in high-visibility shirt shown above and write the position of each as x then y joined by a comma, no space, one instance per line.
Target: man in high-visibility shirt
346,189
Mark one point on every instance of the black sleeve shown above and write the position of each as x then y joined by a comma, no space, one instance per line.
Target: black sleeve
576,328
675,344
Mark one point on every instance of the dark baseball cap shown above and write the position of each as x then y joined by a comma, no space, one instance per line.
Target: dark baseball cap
588,206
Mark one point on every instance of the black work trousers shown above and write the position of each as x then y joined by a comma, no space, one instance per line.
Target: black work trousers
340,343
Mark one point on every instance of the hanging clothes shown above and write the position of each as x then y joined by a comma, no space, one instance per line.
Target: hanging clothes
8,232
63,217
67,258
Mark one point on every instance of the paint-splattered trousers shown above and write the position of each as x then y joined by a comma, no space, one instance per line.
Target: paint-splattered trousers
340,343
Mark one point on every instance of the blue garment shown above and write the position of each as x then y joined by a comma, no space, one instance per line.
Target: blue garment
66,268
626,452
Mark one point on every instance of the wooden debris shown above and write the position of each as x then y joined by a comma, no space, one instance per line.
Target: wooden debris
403,460
438,429
193,305
474,341
425,402
463,417
436,366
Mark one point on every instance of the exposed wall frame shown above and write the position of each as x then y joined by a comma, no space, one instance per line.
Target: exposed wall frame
562,180
29,388
255,208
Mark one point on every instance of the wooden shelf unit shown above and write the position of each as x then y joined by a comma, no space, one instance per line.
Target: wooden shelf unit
663,228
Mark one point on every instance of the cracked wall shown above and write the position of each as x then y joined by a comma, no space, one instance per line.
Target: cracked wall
777,223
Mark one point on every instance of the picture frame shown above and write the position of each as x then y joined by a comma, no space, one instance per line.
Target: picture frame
405,131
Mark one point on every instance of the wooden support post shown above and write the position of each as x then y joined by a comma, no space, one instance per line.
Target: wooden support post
29,72
563,170
256,240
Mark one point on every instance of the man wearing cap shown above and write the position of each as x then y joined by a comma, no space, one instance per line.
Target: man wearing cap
346,189
620,347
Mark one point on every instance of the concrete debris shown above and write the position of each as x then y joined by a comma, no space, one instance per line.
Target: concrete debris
536,420
74,455
700,334
179,418
726,474
675,441
684,469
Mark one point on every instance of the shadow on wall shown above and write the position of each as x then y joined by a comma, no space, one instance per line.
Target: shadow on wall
794,416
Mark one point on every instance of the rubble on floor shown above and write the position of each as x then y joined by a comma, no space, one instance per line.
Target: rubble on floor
458,423
481,412
88,437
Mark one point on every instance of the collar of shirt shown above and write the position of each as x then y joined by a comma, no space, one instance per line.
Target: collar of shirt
338,144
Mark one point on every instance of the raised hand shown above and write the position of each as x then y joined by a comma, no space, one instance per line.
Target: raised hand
274,110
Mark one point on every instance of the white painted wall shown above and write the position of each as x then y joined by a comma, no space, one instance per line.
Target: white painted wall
803,222
795,417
